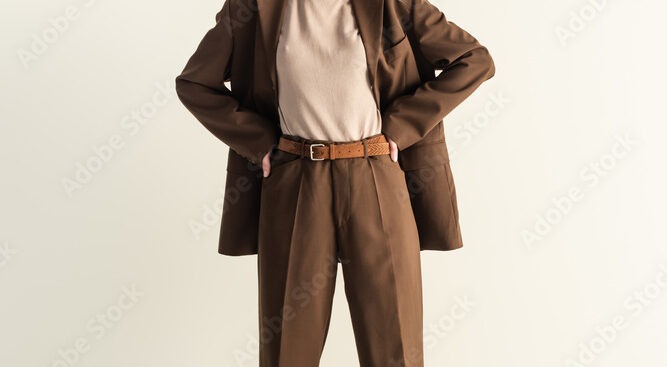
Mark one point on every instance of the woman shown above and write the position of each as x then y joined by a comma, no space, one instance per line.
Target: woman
324,96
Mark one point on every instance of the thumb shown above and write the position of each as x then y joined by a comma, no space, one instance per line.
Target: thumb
393,150
266,164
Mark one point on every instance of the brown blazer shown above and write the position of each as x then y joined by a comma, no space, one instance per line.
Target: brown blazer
405,42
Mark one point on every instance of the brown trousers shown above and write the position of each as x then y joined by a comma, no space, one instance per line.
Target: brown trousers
315,214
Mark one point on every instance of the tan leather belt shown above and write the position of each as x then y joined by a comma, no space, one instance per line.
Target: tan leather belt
319,150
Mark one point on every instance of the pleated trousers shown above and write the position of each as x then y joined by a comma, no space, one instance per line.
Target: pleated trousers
315,215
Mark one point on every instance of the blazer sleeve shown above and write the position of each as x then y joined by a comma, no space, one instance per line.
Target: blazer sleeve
464,62
201,88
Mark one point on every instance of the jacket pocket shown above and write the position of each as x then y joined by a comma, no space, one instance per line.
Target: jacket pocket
397,71
240,214
397,49
433,199
424,154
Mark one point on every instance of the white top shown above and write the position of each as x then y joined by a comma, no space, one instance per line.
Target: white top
324,89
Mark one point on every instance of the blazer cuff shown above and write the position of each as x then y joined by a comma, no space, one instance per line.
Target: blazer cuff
255,151
400,132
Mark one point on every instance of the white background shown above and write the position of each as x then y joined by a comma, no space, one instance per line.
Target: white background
549,277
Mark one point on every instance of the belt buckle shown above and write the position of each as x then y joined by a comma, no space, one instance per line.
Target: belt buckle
311,151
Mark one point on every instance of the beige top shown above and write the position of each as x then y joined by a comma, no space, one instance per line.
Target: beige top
324,89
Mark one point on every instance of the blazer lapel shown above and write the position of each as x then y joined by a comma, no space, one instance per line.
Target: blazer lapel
368,14
369,19
270,13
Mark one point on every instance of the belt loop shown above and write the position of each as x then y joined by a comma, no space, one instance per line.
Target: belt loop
332,155
303,148
365,148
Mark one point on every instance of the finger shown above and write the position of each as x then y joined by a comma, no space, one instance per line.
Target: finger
266,165
393,150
